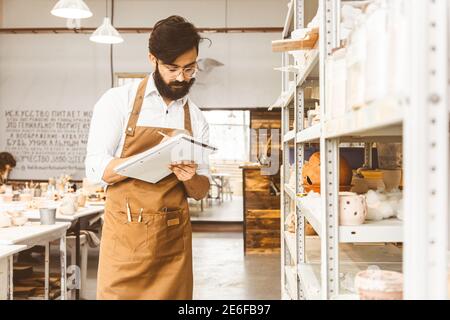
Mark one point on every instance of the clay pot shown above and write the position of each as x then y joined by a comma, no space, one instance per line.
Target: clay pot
379,285
374,179
352,209
359,185
311,171
392,179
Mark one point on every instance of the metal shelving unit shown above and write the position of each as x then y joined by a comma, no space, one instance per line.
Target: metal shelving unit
420,120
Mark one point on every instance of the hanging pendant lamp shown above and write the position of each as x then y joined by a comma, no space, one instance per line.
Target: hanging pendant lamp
71,9
106,33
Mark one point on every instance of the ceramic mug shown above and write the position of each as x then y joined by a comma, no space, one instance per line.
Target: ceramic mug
352,209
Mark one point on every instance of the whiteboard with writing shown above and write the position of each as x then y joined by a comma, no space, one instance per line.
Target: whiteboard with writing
45,143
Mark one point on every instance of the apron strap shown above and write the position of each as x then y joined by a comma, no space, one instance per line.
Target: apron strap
132,121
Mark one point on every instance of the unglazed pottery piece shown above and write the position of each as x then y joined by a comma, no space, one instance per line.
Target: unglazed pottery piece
379,285
311,171
374,179
352,209
392,179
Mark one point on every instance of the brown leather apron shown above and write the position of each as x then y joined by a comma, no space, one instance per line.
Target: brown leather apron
151,259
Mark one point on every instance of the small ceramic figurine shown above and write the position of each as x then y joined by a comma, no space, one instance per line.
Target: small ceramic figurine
352,209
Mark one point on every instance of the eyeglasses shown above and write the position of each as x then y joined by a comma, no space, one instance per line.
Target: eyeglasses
188,72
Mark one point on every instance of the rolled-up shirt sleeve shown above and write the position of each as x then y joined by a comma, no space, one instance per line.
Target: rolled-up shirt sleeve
105,133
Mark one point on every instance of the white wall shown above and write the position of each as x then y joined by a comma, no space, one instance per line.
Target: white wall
68,72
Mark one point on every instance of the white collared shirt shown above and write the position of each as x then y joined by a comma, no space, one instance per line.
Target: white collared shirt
110,118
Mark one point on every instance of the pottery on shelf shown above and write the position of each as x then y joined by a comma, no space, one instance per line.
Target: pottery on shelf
374,179
352,209
379,285
359,185
392,178
311,171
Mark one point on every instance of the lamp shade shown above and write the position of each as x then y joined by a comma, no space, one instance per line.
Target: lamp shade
71,9
106,33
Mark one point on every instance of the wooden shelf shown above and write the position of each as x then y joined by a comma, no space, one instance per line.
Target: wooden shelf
309,42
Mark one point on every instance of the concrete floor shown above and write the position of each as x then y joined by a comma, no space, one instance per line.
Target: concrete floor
220,270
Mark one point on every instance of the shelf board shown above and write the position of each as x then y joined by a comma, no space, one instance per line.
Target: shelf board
381,118
290,242
289,191
312,217
309,134
295,44
388,230
290,136
290,68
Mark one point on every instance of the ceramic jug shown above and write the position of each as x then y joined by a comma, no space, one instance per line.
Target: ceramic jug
352,209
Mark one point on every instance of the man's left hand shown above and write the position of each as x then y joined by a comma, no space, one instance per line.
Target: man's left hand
183,170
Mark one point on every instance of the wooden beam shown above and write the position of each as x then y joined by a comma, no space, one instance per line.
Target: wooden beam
46,30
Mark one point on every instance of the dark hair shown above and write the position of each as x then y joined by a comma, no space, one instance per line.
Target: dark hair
171,37
6,158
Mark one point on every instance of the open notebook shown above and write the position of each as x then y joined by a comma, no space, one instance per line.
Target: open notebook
153,165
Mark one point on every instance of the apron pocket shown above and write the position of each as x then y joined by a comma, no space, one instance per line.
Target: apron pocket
130,239
168,229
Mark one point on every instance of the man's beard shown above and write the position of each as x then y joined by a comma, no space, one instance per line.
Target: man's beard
175,89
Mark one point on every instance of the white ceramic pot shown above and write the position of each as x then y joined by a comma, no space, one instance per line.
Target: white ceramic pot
352,209
19,221
69,205
5,220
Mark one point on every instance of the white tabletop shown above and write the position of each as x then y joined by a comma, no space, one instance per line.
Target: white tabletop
6,251
32,232
82,212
